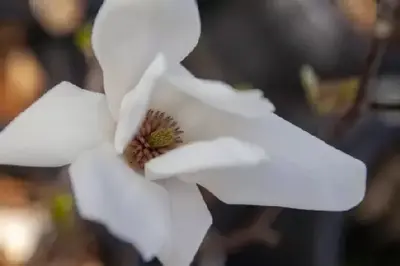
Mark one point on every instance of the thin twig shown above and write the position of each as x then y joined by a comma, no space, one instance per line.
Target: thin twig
379,44
260,231
215,247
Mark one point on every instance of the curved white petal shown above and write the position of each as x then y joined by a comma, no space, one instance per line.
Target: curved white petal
204,155
57,128
180,28
128,34
109,192
135,104
190,223
303,171
207,110
203,108
178,71
222,96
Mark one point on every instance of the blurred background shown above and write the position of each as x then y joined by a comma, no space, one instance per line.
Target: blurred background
332,67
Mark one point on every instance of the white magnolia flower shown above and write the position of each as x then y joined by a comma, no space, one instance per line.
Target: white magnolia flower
137,160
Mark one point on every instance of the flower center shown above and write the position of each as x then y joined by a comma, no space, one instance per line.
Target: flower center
158,134
162,137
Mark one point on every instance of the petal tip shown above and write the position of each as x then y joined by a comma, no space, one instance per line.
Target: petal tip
361,183
118,145
159,63
272,107
357,187
63,83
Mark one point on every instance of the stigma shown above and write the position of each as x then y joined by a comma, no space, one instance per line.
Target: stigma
158,134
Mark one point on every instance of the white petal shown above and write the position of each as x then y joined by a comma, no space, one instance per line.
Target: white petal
180,28
203,155
128,34
297,157
109,192
57,128
135,104
303,171
211,87
177,71
202,108
190,223
223,97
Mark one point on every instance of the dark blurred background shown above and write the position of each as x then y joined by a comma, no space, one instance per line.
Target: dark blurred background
262,44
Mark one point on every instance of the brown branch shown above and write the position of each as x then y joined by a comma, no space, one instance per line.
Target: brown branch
215,247
259,231
379,44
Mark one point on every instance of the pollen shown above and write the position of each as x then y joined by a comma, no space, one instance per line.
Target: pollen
162,137
158,134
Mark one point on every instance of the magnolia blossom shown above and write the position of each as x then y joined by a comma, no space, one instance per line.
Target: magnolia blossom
138,151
